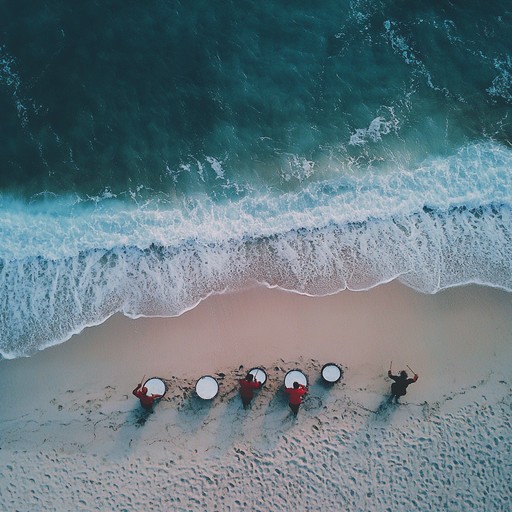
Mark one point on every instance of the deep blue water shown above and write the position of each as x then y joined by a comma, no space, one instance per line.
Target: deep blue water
153,153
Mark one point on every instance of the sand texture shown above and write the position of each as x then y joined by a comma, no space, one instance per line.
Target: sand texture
74,438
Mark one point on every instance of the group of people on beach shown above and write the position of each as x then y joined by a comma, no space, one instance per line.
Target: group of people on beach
247,387
295,393
249,384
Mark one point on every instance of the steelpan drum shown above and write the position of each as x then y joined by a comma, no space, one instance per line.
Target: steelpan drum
207,387
155,386
331,373
295,376
259,374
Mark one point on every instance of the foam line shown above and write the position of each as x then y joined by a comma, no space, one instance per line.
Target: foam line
46,300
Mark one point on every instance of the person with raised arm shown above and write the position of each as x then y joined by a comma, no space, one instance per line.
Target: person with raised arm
400,384
247,387
295,396
146,400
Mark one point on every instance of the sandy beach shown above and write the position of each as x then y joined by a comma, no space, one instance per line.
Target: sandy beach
74,438
198,189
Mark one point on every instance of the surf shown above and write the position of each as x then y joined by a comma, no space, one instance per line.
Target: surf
69,263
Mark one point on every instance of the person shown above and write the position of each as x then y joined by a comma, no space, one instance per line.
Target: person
296,393
247,387
145,400
399,387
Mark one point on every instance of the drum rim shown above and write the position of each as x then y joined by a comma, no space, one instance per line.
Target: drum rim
336,366
259,368
166,387
214,380
296,370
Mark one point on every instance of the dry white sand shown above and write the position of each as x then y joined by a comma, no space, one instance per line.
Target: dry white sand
72,437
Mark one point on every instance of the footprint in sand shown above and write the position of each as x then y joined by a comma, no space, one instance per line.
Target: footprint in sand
312,402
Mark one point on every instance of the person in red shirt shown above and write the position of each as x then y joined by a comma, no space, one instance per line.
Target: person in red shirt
247,387
145,400
296,393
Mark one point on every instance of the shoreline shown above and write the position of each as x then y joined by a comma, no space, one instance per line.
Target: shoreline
342,324
69,417
259,325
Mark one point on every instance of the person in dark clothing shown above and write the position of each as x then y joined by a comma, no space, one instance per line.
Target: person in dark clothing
399,387
145,400
296,393
247,387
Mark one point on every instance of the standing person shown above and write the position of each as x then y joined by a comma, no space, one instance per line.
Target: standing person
399,387
145,400
247,387
296,393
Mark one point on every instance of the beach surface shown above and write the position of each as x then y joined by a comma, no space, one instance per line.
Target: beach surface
73,437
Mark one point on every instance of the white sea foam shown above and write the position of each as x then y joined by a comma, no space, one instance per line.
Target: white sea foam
63,227
216,166
378,127
297,168
66,265
502,84
402,47
10,77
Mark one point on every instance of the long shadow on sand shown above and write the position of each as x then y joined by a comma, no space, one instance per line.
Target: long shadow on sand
385,410
193,413
131,429
278,418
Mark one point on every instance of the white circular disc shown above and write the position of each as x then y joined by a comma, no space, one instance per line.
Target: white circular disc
207,387
331,373
155,386
295,376
259,374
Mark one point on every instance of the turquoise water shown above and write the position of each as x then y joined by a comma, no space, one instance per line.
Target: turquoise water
153,154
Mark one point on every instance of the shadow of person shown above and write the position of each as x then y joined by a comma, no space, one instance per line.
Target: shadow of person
140,415
129,431
385,409
278,418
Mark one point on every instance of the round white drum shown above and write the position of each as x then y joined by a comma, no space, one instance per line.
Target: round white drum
259,374
295,376
155,386
207,387
331,373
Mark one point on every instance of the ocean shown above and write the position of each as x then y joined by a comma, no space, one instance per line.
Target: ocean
155,153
